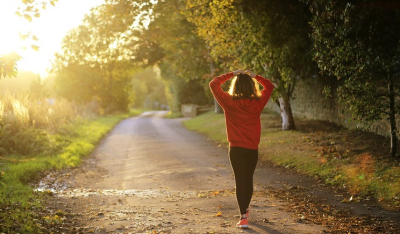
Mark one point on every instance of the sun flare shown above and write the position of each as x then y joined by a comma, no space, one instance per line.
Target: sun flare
49,29
11,43
10,25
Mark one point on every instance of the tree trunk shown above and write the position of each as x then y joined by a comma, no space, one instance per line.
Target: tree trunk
218,108
392,117
286,114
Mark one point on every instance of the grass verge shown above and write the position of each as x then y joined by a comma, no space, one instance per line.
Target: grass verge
172,115
20,205
352,160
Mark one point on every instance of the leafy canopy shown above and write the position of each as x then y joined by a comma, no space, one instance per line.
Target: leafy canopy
358,42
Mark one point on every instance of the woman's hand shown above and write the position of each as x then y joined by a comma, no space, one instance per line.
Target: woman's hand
250,73
237,72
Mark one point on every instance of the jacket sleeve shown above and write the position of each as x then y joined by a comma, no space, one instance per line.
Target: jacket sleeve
268,87
215,86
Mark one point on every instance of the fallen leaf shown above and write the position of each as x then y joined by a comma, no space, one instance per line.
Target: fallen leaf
218,214
351,199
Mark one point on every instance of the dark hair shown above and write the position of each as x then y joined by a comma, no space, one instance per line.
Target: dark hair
244,87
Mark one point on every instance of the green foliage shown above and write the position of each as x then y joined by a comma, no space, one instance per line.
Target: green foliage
358,42
95,64
8,65
148,88
181,55
27,119
173,87
269,37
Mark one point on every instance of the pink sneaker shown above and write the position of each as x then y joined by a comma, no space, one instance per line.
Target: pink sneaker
243,223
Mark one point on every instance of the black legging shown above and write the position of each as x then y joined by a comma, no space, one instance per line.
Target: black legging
243,163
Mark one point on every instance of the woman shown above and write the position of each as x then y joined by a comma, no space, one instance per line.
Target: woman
243,105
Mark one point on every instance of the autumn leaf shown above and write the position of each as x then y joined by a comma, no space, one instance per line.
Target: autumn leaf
28,17
35,47
23,36
218,214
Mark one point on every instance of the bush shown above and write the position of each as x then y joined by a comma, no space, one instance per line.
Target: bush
27,122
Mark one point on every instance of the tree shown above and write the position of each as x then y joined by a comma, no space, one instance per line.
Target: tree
170,41
270,37
30,9
358,42
149,89
95,62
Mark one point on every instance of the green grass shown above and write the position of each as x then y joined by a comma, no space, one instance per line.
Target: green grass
18,197
327,155
172,115
213,125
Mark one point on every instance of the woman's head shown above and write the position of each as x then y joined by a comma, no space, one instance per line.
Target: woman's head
244,87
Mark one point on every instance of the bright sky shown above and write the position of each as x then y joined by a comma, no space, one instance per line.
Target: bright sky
50,28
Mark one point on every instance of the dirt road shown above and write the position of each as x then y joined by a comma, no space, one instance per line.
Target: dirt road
151,175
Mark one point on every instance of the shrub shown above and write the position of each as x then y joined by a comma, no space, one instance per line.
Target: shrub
27,122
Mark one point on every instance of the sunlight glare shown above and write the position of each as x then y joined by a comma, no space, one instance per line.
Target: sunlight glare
50,28
11,25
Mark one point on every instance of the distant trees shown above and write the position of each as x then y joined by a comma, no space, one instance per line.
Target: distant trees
170,41
148,89
358,42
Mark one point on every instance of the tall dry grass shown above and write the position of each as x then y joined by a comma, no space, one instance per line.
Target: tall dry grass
28,120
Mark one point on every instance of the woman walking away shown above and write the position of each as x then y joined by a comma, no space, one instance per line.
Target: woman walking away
243,105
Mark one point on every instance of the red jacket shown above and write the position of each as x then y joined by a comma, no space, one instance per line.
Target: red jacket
242,116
